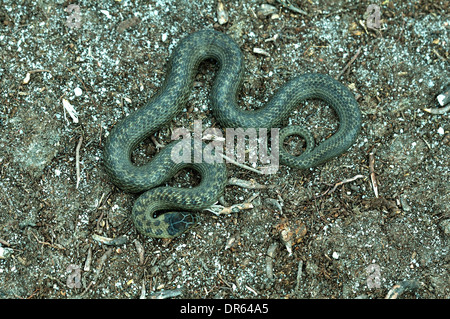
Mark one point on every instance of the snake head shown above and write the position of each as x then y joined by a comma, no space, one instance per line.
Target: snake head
153,221
178,222
166,225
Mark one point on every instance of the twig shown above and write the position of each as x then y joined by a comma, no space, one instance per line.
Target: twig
222,15
74,277
140,250
84,86
299,275
98,269
39,70
166,294
71,110
100,135
157,144
57,246
87,288
348,64
5,252
118,241
269,268
288,5
347,180
4,242
440,110
143,291
27,76
402,29
246,184
87,264
439,56
77,159
372,174
6,196
401,287
221,210
230,160
99,222
443,99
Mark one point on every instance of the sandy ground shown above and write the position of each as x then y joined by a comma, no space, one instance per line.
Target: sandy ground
107,58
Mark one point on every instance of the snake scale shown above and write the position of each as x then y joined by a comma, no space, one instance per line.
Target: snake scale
166,212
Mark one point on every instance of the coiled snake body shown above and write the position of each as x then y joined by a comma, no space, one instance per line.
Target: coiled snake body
177,203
